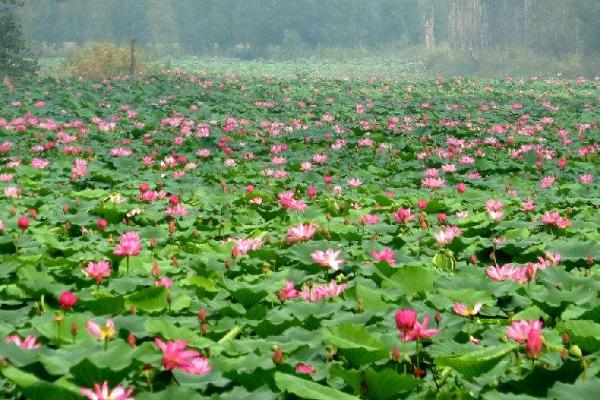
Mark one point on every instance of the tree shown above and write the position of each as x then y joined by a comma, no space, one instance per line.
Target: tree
15,57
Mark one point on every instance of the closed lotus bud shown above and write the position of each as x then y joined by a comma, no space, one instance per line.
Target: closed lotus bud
277,355
590,260
155,271
172,227
153,242
65,208
133,310
438,317
442,218
249,189
202,315
131,339
328,179
419,373
228,263
101,223
564,354
174,200
565,338
474,259
204,328
74,329
396,354
422,204
144,187
461,187
23,223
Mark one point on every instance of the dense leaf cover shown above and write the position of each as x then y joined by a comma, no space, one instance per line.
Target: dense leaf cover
323,239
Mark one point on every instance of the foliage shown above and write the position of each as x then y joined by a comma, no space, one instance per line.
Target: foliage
217,173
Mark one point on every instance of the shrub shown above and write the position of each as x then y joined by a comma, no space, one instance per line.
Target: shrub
100,60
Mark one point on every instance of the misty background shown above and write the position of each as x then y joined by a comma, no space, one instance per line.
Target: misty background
452,36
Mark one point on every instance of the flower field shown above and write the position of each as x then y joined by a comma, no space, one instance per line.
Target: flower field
206,236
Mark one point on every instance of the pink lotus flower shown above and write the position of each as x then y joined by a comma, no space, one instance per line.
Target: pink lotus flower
510,272
547,182
198,366
369,219
287,201
166,282
406,319
98,270
466,311
305,369
519,330
534,344
243,246
104,393
322,292
300,233
386,255
447,235
328,258
433,183
554,218
528,206
30,342
129,245
288,292
101,332
79,169
177,355
586,179
419,331
403,216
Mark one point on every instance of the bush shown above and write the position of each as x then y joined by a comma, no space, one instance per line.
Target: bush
100,60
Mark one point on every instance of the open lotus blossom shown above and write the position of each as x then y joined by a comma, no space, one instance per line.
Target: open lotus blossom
519,330
300,233
494,209
243,246
355,182
511,272
466,311
369,219
30,342
288,292
304,369
547,181
433,183
387,255
328,258
176,355
418,331
129,245
553,218
321,292
287,201
98,270
79,169
105,393
105,332
403,216
447,235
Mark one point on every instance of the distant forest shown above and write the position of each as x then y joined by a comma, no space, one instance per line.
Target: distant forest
556,27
